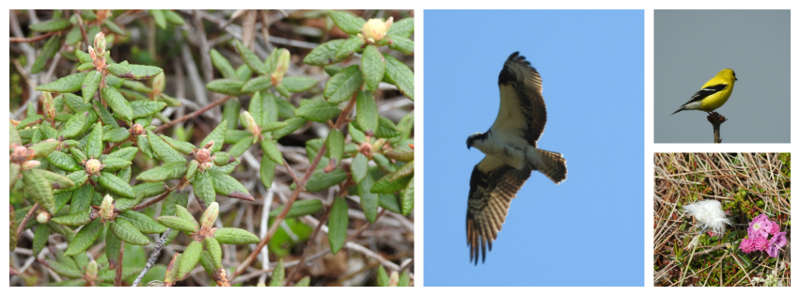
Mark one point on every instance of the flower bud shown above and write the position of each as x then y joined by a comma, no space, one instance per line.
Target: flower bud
102,14
378,145
100,44
202,155
250,123
47,104
209,216
91,270
93,166
284,57
137,129
107,208
30,164
158,84
375,29
394,278
43,217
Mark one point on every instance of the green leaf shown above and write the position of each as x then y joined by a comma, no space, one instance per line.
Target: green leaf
128,233
227,185
170,170
355,134
74,219
366,112
173,17
346,21
127,153
299,208
113,163
56,24
75,125
400,75
335,144
240,147
226,86
337,224
278,273
250,58
94,141
407,198
372,67
404,280
349,46
324,53
116,185
267,170
257,83
63,161
115,134
393,182
358,168
292,124
118,103
222,64
57,180
402,44
402,28
158,17
133,71
178,223
270,149
142,108
66,84
217,135
317,110
49,50
215,250
235,236
369,200
40,236
189,258
90,84
85,238
143,222
148,189
113,245
298,84
383,278
304,282
321,180
38,188
342,85
386,128
163,150
180,146
204,188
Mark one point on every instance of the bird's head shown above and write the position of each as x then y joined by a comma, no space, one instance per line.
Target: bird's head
728,72
474,137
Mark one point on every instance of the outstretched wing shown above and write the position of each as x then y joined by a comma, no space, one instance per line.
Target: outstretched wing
522,109
492,186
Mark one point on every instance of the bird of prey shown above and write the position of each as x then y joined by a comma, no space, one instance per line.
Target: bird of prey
511,154
713,93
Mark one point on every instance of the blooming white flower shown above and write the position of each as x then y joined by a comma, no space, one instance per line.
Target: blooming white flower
709,214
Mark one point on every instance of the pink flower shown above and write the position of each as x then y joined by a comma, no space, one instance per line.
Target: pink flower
746,245
759,227
760,243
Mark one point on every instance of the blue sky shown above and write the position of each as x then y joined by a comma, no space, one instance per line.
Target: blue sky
587,231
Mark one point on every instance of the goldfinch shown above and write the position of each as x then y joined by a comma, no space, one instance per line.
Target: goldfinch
713,93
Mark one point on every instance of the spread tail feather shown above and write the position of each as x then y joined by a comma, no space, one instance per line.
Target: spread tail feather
552,164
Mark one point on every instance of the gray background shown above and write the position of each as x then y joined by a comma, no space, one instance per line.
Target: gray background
692,46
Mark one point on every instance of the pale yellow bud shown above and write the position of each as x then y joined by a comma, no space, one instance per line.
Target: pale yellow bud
93,166
49,108
284,58
158,84
375,29
30,164
43,217
210,216
107,208
250,123
91,270
100,44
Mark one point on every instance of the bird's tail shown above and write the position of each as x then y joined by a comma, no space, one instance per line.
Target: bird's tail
551,164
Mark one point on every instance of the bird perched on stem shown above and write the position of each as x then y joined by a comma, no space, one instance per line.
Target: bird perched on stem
511,154
713,93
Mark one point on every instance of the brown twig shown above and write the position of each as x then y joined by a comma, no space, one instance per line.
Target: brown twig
32,39
716,121
25,220
193,114
340,121
118,278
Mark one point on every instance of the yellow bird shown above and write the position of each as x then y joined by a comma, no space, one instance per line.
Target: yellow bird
713,93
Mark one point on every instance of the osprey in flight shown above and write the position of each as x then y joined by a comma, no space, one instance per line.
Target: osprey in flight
511,154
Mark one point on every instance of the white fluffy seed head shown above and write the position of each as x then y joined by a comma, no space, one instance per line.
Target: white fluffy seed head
709,215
